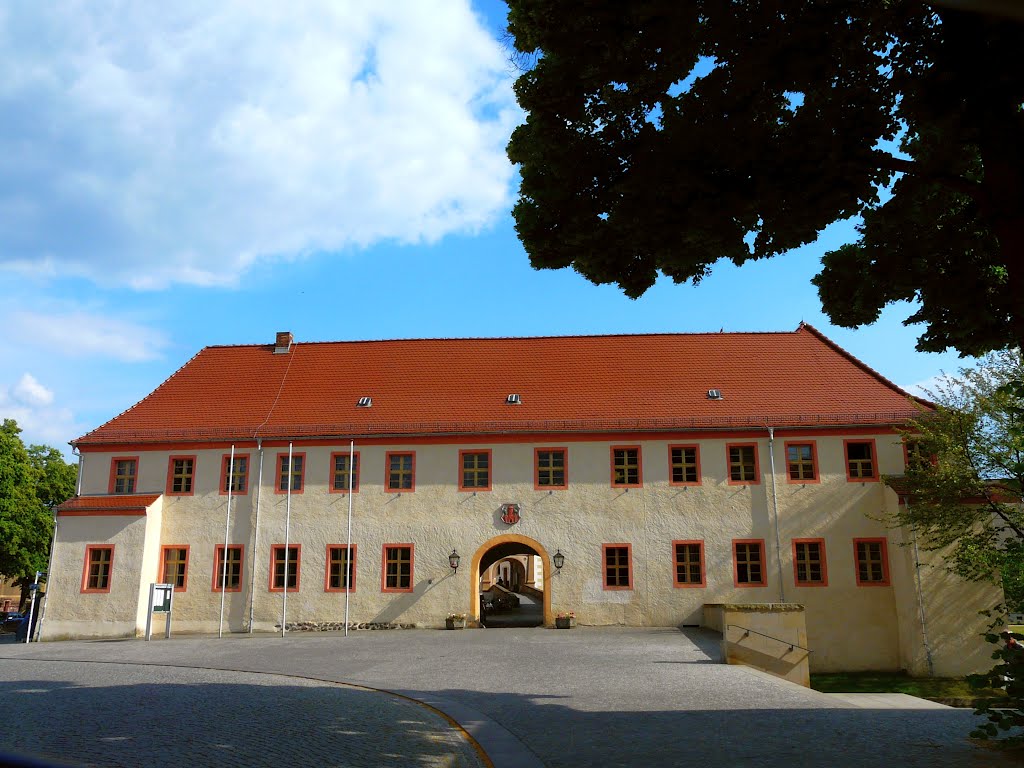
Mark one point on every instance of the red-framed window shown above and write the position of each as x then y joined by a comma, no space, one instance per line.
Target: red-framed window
810,568
617,560
124,473
802,462
181,475
278,564
295,473
684,465
227,569
400,471
239,474
174,566
340,472
627,467
340,575
550,469
861,461
872,558
688,563
743,464
98,568
914,455
748,563
397,568
475,470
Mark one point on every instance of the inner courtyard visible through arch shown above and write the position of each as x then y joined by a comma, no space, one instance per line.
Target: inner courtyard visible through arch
511,586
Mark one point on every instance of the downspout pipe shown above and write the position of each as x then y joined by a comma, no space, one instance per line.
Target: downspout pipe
920,599
53,544
224,557
49,570
775,509
255,537
78,481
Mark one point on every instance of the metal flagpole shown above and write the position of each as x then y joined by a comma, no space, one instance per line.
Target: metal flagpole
348,556
255,538
224,554
287,531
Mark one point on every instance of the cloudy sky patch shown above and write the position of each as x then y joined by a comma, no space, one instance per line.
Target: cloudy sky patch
151,144
31,404
28,391
183,174
82,334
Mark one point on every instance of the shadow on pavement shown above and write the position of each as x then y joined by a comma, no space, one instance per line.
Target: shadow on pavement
66,722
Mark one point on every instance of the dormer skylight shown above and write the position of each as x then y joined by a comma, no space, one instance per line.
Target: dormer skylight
364,402
715,394
513,399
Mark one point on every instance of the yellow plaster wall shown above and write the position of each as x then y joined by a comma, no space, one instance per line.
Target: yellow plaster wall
117,613
848,627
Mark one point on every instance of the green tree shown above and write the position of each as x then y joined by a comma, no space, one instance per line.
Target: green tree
32,482
662,136
52,478
964,483
962,489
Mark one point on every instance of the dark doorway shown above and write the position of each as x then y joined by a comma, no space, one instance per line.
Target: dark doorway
511,586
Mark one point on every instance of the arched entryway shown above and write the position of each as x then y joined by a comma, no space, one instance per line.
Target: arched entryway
506,546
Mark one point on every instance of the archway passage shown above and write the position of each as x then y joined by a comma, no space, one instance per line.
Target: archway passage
510,584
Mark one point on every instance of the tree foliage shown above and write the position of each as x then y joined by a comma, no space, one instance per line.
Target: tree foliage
963,489
662,136
33,481
1005,718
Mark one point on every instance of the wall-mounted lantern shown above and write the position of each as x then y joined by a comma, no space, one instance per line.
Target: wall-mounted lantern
453,560
558,560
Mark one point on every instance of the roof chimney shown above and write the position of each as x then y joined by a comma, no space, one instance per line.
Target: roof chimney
283,344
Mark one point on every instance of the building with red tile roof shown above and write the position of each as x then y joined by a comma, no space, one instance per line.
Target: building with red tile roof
460,386
631,479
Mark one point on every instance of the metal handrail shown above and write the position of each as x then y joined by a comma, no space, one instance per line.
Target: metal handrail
747,631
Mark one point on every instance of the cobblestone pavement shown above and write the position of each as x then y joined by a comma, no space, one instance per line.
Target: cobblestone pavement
110,714
588,696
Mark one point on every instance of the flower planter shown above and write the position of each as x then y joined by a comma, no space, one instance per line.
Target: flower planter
565,622
455,623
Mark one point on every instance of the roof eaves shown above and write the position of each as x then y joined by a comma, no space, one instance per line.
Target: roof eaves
387,429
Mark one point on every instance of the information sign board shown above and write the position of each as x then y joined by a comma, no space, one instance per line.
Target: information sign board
162,597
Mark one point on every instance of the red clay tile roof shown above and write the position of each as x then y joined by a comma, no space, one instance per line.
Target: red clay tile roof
118,505
459,386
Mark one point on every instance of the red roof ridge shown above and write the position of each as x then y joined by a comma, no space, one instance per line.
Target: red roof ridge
396,340
862,365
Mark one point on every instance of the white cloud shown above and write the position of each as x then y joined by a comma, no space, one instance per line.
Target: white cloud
923,388
81,334
149,144
28,391
31,404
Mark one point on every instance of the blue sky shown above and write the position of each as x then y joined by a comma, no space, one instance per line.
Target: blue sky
174,177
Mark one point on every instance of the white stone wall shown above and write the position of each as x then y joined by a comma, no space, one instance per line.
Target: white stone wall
70,612
848,626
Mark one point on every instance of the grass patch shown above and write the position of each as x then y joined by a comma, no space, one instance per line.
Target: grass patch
934,688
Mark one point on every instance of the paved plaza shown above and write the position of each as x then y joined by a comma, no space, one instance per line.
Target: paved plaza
522,697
